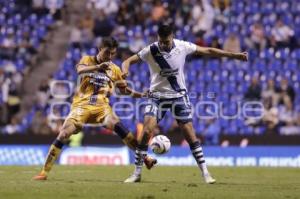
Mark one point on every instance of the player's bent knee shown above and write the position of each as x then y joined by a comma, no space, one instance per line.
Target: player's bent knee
111,121
149,124
148,130
114,122
111,125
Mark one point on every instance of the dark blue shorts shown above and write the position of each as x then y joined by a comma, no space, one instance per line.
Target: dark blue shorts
180,108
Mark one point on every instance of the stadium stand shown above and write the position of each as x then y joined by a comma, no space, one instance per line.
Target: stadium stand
23,31
268,33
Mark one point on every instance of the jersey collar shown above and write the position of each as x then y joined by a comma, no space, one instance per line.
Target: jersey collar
96,60
173,46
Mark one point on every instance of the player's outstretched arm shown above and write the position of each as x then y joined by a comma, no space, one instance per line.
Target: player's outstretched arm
214,52
81,68
126,64
125,90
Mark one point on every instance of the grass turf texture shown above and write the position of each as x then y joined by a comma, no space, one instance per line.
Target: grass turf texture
161,182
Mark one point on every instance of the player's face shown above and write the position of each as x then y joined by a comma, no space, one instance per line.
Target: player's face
106,54
165,43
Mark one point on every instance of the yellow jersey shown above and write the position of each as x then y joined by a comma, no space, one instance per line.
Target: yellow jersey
95,87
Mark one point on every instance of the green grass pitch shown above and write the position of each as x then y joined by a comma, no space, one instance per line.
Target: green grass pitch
161,182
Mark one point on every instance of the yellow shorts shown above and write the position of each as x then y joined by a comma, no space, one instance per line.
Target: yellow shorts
88,114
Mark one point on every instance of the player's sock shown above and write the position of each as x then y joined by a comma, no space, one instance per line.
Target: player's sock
198,155
140,154
126,136
53,154
121,130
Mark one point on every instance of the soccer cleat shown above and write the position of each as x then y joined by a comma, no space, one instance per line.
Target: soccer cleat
133,178
208,179
149,162
40,177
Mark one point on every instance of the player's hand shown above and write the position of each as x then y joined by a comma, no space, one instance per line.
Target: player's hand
147,94
241,56
103,66
125,75
125,71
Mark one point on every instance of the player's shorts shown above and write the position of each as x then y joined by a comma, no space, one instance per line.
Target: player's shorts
180,108
88,114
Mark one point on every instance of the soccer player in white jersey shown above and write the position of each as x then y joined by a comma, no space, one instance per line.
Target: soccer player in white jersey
166,59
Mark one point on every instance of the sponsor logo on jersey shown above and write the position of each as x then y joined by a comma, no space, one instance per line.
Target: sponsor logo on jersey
99,79
168,72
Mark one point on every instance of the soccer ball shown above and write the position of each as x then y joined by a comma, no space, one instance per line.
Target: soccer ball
160,144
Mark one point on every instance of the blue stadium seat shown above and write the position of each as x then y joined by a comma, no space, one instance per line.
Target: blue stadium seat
76,54
48,19
248,130
200,127
17,19
33,19
20,64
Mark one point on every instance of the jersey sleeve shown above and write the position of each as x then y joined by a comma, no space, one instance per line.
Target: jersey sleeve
84,61
144,53
189,47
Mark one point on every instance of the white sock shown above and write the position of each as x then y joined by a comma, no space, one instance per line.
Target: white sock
139,161
199,157
138,170
204,169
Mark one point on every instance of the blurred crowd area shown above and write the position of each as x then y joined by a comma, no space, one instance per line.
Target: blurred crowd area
24,28
268,30
234,26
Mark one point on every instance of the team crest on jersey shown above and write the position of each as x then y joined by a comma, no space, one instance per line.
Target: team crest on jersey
99,79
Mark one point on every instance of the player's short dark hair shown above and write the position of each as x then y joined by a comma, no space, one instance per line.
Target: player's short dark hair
165,30
109,42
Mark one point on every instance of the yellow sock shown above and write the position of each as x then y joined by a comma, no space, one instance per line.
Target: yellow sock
51,158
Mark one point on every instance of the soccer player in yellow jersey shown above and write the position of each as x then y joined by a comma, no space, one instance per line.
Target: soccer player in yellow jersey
90,104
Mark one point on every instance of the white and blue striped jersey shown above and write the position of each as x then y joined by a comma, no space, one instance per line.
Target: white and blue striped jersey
167,78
